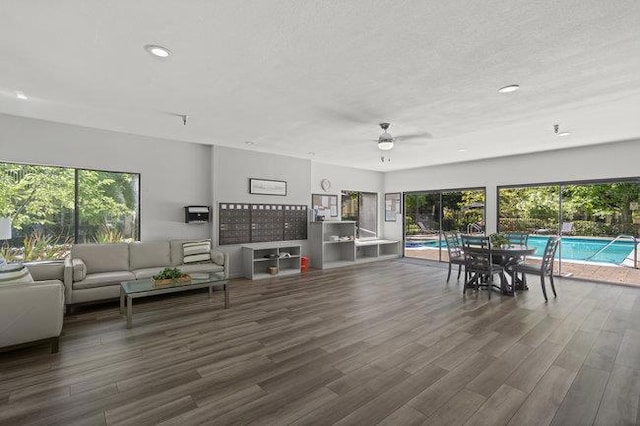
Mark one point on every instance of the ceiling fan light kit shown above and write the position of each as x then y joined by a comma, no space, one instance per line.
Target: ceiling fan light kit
385,141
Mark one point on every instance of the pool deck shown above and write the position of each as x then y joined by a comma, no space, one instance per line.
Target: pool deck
610,274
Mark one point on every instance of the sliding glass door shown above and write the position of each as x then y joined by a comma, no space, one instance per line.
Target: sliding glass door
429,213
598,222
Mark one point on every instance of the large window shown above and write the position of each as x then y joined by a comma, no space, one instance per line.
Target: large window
52,207
598,222
363,208
429,213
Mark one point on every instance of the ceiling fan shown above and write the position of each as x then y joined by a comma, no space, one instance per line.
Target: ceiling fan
386,140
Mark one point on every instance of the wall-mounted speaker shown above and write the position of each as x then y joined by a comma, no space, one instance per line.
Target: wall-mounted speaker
197,214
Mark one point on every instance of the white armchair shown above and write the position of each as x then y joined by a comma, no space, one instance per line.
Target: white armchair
31,312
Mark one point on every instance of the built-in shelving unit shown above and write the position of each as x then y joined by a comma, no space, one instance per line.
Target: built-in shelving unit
334,244
369,250
256,261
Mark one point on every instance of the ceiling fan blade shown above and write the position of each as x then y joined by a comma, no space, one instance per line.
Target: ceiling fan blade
421,135
347,113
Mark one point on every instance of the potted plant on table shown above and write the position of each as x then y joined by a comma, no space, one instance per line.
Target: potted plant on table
171,275
499,240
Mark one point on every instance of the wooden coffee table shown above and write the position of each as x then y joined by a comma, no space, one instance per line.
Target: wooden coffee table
134,289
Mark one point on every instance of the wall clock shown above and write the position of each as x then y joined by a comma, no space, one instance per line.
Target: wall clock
325,184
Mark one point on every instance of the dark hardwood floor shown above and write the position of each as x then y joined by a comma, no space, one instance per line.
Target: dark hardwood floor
386,343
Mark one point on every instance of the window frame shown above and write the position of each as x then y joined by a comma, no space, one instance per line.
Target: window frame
76,171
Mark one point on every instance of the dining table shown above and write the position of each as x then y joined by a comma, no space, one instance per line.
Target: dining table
507,256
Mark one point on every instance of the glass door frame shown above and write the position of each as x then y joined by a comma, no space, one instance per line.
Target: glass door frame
561,185
440,192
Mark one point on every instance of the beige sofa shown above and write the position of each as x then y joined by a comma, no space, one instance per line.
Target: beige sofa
32,312
94,272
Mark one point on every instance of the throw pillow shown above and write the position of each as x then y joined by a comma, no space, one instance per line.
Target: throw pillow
218,258
196,251
79,269
13,275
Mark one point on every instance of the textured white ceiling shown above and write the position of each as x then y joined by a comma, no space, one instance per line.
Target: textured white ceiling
318,76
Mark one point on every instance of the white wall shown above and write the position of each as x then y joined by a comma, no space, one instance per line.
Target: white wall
232,170
349,179
173,174
614,160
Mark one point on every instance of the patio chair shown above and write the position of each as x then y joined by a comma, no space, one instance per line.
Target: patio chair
454,248
545,268
423,228
479,264
567,228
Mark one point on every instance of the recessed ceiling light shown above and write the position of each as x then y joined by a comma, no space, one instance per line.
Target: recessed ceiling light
250,143
159,51
564,133
508,89
462,150
21,95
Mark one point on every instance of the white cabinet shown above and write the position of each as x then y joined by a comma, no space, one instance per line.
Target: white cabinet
257,261
334,244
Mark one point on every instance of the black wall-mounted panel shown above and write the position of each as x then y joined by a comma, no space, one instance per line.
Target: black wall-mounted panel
242,223
235,223
197,214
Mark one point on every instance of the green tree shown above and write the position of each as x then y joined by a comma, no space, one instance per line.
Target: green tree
35,194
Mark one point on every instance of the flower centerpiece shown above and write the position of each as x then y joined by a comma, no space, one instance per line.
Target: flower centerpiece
499,240
171,275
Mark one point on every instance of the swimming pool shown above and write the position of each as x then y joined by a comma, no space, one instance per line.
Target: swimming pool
573,248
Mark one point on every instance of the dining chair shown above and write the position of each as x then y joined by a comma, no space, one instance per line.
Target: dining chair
517,238
545,268
454,248
479,266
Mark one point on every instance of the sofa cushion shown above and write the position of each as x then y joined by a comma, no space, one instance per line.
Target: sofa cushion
102,257
196,251
47,270
176,252
200,267
146,272
102,279
149,254
19,275
79,269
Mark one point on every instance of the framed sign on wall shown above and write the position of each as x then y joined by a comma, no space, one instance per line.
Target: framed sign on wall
267,187
392,206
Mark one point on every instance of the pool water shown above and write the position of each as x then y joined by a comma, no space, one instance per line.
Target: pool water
581,248
573,248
